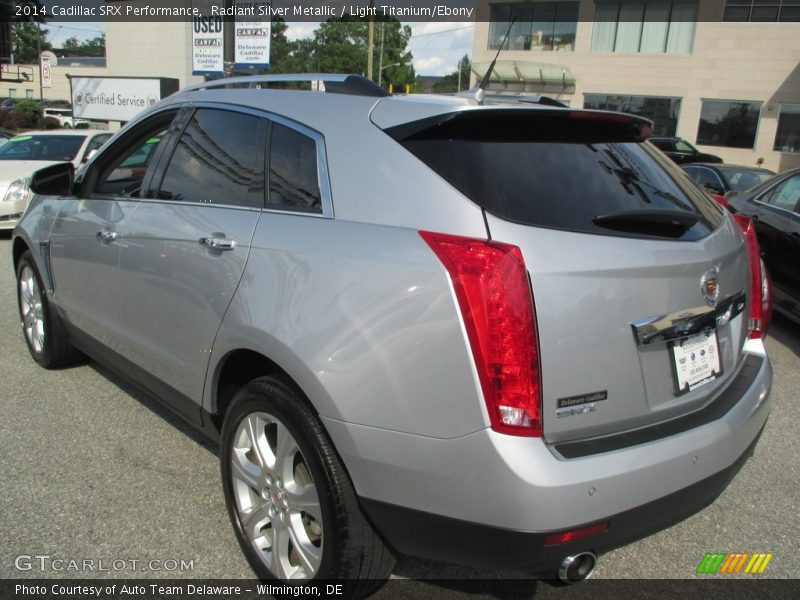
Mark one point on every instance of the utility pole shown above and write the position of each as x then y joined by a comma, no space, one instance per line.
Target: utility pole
228,51
380,55
370,39
39,56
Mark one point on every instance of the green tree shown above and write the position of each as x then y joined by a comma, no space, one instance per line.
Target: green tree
340,46
28,40
93,47
280,48
449,83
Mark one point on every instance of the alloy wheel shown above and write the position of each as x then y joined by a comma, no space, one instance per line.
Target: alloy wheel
277,502
31,308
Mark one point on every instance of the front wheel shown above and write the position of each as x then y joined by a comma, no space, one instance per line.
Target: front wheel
44,332
289,498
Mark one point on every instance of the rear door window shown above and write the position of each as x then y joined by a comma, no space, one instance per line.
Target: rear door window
215,160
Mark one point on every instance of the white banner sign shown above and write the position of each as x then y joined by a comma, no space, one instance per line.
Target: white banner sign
251,38
113,99
46,71
208,40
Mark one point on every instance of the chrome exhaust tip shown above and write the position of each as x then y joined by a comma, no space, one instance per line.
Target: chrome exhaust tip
577,568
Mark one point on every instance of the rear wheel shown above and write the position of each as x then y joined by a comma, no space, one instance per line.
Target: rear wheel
44,332
289,498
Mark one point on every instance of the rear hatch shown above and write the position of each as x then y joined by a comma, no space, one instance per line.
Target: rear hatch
638,278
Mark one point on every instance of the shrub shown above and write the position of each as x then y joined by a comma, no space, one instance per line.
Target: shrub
22,121
49,123
28,107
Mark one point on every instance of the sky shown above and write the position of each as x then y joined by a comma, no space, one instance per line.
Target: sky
437,46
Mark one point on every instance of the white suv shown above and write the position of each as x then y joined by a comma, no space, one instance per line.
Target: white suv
65,118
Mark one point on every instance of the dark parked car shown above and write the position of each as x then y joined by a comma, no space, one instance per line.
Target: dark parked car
775,207
682,152
722,179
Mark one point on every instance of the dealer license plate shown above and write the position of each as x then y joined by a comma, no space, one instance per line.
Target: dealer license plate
695,361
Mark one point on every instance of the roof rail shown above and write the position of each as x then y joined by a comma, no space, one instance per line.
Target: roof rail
354,85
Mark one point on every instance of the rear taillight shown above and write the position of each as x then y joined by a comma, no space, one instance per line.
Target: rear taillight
494,295
760,287
720,199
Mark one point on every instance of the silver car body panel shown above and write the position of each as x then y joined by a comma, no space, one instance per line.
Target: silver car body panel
373,337
589,289
540,491
171,317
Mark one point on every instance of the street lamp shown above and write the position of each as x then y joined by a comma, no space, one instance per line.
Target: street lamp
380,71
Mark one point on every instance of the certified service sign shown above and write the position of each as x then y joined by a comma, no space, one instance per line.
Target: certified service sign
113,98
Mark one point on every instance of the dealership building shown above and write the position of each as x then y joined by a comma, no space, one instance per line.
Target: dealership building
722,74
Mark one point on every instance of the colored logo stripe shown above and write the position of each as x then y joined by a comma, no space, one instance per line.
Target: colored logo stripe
721,562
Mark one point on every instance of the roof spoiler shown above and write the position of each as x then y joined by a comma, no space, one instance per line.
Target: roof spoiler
527,125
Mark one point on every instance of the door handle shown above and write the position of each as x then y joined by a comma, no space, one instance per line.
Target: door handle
217,243
106,236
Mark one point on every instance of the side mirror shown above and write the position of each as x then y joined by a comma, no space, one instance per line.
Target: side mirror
55,180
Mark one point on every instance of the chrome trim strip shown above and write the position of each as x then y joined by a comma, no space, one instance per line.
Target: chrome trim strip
683,323
44,251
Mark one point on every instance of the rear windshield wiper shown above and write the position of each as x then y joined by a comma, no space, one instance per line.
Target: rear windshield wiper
657,222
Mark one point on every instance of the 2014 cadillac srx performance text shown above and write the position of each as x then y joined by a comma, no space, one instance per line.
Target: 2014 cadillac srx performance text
497,334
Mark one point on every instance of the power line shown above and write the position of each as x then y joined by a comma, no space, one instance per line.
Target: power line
419,35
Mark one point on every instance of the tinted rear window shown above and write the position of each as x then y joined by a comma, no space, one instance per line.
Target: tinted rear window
564,182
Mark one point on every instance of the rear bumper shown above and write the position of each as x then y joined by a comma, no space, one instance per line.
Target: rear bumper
440,538
490,499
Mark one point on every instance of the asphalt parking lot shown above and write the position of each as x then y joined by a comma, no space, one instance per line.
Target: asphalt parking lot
93,470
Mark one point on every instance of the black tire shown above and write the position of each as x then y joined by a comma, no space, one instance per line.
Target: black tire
46,338
348,547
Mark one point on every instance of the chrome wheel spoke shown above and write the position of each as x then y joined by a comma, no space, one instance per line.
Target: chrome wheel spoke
255,431
247,472
254,520
280,549
310,556
285,450
305,500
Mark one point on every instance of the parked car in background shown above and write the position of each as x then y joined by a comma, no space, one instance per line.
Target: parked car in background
25,154
544,344
681,151
723,178
65,118
8,103
774,206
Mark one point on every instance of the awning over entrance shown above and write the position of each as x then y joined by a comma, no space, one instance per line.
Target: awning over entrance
525,76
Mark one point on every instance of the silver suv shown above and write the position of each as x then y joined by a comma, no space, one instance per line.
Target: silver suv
502,335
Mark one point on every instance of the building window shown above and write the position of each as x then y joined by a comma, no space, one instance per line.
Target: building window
644,27
29,94
12,92
730,123
539,26
761,10
788,136
663,112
